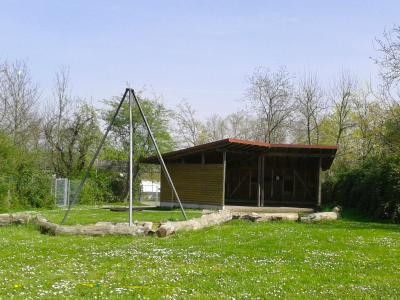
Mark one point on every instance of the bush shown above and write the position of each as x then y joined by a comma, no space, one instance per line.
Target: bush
32,187
4,194
97,189
22,182
372,188
106,187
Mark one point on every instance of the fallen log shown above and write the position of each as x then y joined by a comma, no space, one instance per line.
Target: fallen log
98,229
320,216
266,217
16,218
204,221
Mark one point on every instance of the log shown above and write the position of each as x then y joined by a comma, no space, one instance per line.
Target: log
320,216
98,229
17,218
266,217
204,221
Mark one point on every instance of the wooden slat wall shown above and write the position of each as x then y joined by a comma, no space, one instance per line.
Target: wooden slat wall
195,183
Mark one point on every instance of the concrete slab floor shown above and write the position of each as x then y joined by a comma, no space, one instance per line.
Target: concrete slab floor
268,209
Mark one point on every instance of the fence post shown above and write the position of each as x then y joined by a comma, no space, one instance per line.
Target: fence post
65,191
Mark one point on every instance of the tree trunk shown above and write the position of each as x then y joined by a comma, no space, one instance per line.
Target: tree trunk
204,221
266,217
17,218
98,229
321,216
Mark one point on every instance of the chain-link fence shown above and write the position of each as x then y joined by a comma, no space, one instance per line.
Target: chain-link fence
64,191
149,192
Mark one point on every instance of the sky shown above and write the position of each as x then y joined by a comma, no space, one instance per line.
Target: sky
201,51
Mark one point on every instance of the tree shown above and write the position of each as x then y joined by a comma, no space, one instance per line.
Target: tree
189,130
240,125
71,129
270,94
343,95
18,98
309,103
216,128
389,62
369,119
391,131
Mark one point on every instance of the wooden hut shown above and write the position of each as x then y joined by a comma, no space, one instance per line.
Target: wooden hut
238,172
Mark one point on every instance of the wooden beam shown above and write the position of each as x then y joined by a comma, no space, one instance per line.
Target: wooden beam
304,184
223,177
319,182
259,181
249,184
272,183
280,154
262,180
294,186
241,180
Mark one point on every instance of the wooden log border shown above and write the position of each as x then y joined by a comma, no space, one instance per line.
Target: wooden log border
208,219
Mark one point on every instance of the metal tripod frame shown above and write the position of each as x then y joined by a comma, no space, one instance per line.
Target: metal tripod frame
130,93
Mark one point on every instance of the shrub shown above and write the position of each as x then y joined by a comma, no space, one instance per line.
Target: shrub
33,187
22,181
97,189
372,188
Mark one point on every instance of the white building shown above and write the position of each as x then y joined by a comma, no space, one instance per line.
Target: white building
148,186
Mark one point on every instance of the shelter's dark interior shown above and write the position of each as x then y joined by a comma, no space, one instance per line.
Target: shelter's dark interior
287,180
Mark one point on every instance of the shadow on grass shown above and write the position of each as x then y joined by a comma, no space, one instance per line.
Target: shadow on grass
354,220
145,208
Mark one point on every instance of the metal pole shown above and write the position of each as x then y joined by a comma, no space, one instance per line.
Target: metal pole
78,190
163,166
130,159
65,191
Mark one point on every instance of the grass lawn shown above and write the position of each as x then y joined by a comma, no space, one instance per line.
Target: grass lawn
343,259
87,215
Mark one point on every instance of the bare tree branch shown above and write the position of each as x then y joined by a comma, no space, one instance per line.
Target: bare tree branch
270,94
18,97
309,102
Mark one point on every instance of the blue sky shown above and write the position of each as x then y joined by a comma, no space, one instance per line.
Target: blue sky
198,50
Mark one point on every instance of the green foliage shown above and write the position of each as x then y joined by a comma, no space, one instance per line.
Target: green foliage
72,140
7,165
158,118
111,186
391,132
32,186
98,189
372,188
22,181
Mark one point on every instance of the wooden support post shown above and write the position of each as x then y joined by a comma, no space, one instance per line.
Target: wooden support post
249,184
203,158
319,182
259,182
223,177
272,184
262,180
294,185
